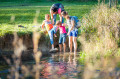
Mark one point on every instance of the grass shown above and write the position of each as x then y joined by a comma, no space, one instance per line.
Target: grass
24,14
99,40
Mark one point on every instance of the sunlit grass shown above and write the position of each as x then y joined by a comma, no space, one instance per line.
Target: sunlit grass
99,52
24,15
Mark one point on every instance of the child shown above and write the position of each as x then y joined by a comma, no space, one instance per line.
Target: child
63,33
47,23
72,22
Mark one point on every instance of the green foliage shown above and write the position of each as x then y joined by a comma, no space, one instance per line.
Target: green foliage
101,30
24,15
82,57
118,52
45,0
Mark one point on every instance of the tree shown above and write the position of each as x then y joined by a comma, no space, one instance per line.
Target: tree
98,2
104,1
116,2
110,1
113,3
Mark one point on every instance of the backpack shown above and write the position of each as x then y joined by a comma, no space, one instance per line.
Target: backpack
77,22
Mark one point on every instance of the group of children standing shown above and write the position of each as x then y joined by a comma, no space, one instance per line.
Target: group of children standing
52,26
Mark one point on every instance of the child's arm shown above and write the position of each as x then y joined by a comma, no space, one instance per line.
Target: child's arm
52,17
60,17
73,24
52,22
43,24
64,24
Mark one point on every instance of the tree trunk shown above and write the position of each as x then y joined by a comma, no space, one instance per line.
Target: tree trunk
116,2
98,2
110,1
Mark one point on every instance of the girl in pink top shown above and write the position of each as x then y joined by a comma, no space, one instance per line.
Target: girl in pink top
63,34
62,29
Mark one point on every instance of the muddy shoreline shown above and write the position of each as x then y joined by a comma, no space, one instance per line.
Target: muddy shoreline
7,49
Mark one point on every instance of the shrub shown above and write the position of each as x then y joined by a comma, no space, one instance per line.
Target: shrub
101,30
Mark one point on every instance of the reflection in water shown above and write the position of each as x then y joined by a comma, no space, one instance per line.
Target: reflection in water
37,74
65,66
61,65
58,66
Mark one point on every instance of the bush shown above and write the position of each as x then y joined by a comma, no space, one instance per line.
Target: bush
102,30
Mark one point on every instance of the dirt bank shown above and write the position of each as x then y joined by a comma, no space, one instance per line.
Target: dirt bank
7,49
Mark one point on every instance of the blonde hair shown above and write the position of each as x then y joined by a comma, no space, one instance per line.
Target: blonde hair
64,13
47,16
67,16
58,23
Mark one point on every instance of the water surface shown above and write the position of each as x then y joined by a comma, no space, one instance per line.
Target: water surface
59,65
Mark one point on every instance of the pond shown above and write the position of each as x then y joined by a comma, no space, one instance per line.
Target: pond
55,66
62,66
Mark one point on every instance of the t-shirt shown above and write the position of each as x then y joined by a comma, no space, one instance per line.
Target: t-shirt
70,24
62,29
58,6
48,25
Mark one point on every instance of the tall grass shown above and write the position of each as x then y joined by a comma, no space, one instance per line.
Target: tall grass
101,30
100,44
99,39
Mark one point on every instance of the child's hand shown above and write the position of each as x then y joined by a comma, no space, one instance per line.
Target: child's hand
42,30
63,24
55,35
40,26
60,15
68,33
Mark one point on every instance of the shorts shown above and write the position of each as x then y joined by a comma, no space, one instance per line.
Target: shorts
62,38
74,33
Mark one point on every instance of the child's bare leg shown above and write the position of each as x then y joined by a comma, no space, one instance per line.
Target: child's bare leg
70,43
75,44
60,46
52,46
64,47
